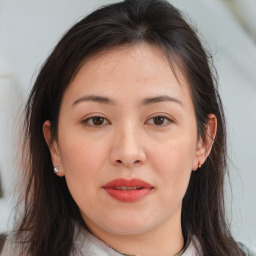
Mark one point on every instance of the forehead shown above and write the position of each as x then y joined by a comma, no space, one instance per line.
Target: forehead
138,70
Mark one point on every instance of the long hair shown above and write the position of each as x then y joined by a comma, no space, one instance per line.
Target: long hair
47,224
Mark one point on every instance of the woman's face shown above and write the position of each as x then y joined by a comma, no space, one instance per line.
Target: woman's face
127,141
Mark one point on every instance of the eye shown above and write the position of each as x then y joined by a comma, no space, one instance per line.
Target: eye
96,121
159,120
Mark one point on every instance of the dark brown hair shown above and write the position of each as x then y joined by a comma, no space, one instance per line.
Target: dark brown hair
47,224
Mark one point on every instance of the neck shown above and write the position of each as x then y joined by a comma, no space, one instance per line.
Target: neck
166,240
150,247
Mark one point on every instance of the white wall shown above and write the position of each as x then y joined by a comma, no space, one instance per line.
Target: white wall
29,29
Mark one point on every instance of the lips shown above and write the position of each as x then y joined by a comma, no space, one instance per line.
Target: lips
128,190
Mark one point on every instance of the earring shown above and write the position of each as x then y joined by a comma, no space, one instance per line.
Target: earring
199,165
56,169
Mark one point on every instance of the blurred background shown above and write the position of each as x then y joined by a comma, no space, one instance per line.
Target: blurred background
30,29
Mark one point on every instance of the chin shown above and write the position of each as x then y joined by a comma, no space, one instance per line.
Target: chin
128,226
127,230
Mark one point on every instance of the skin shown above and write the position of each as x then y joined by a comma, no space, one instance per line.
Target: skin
129,142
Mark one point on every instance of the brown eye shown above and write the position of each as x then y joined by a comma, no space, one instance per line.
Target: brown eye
159,120
95,121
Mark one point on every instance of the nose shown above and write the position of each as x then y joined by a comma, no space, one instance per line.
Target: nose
127,148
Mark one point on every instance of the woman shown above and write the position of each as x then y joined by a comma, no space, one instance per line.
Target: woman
126,142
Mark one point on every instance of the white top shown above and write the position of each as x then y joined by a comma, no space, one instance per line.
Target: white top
87,245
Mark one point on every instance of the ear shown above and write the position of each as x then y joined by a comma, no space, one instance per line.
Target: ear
204,144
53,147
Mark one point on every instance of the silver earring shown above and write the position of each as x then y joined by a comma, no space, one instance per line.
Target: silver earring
56,169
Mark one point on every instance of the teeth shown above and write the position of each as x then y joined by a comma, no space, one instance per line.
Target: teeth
127,188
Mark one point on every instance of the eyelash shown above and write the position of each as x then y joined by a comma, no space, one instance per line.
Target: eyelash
106,122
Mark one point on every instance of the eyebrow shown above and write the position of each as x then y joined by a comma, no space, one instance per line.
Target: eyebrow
108,101
94,98
162,98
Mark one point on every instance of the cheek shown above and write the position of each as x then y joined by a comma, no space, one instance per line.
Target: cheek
82,163
174,164
82,153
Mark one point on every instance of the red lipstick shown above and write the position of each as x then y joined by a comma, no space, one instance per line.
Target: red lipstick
128,190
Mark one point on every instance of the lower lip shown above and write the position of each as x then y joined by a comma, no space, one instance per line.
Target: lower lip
128,195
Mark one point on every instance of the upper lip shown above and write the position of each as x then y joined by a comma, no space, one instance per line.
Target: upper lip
128,183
